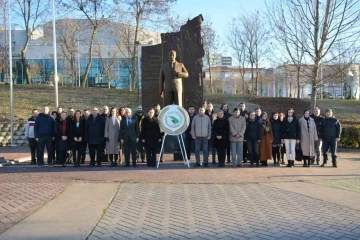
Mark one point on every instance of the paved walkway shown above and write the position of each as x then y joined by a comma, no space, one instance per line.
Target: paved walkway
174,202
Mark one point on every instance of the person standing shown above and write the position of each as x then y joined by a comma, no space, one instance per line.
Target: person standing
244,114
201,133
283,150
318,144
76,137
112,127
84,142
290,135
105,155
61,137
308,137
129,136
330,131
220,133
157,112
139,146
266,140
253,138
94,134
150,137
30,135
210,113
121,112
258,114
237,126
225,108
188,137
276,143
44,135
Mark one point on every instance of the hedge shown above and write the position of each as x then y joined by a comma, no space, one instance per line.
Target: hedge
350,136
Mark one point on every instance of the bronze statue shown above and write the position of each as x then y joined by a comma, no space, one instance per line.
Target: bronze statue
171,75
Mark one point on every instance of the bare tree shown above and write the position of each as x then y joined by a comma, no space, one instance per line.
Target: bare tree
108,60
236,43
97,13
141,12
31,13
211,42
4,30
321,24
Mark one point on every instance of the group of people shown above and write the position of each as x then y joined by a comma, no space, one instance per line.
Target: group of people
240,137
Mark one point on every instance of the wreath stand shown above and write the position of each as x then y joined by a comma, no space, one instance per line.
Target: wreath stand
182,147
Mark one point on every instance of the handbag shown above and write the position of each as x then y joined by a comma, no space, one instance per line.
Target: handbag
298,152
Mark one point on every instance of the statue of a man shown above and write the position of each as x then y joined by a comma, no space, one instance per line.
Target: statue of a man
171,75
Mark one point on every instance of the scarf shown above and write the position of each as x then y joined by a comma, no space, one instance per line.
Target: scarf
266,126
308,123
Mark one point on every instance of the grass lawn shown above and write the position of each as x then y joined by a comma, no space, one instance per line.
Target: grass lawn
28,97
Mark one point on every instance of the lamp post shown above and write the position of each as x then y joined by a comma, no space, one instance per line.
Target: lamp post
56,79
79,66
138,44
11,80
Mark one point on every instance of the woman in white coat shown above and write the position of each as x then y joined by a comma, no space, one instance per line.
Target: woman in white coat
112,126
308,137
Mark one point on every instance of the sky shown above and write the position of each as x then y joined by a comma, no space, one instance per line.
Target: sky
221,12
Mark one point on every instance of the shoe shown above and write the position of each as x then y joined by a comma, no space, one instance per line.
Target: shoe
251,165
239,165
318,161
98,165
219,165
323,165
245,161
50,165
234,165
304,165
126,165
32,163
197,165
161,161
213,162
334,164
257,165
63,165
134,165
228,161
206,165
289,164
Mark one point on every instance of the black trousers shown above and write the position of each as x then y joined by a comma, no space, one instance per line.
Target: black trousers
77,150
60,151
228,149
33,144
276,152
48,143
98,148
130,148
151,157
140,150
221,155
83,151
212,149
253,151
189,142
245,151
105,157
54,156
332,145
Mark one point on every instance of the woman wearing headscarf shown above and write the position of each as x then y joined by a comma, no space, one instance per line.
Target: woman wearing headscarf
266,139
308,137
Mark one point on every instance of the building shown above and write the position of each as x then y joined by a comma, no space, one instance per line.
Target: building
111,54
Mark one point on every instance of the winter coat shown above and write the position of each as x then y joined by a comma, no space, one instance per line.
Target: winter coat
76,130
212,116
308,136
237,127
112,133
242,113
131,132
150,132
265,145
318,121
227,115
94,130
201,126
253,131
291,130
62,144
44,126
330,129
220,128
276,131
29,129
188,130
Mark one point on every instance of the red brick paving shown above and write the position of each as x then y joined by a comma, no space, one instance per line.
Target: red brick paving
20,195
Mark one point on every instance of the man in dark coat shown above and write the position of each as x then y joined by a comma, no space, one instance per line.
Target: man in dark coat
105,113
129,136
44,135
188,138
227,115
94,135
212,115
330,131
140,146
318,143
244,114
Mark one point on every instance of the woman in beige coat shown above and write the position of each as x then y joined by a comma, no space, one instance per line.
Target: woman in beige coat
112,126
308,137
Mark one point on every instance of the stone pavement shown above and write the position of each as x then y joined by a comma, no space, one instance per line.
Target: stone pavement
21,195
215,211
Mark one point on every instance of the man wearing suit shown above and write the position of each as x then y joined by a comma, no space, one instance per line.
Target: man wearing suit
171,75
129,136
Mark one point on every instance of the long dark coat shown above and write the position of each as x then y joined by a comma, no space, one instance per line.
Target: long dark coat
277,132
61,144
220,128
265,145
76,131
94,132
150,132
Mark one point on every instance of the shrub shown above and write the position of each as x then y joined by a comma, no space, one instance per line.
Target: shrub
351,136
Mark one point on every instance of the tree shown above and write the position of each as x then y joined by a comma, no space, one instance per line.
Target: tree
31,13
140,12
236,43
211,43
107,63
97,13
321,25
4,49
